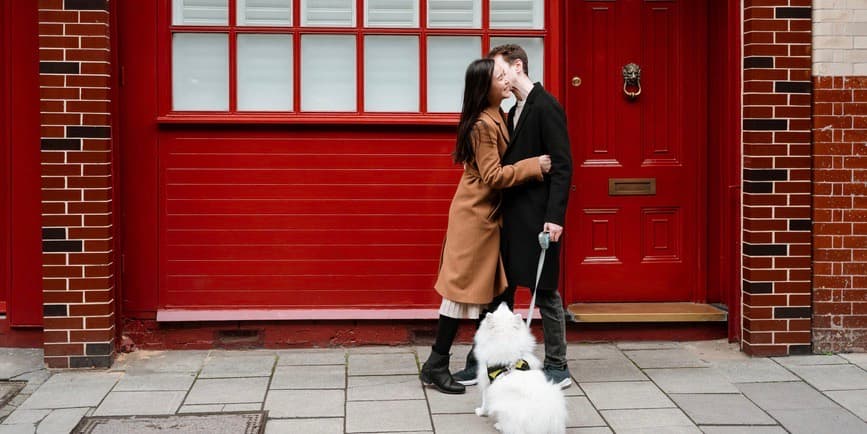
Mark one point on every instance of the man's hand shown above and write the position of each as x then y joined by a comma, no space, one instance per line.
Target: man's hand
555,230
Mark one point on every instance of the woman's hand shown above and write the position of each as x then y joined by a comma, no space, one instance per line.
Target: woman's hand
545,163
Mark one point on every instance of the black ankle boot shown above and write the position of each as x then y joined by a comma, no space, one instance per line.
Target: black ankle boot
435,371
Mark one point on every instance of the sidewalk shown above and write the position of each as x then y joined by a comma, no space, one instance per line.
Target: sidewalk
625,387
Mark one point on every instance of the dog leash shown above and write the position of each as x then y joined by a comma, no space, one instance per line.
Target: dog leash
544,242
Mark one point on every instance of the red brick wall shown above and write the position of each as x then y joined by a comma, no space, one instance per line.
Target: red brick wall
78,281
776,191
840,214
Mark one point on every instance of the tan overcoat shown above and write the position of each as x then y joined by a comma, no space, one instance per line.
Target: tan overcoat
471,270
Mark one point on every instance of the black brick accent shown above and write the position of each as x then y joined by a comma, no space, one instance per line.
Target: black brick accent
54,310
90,362
793,312
800,225
62,246
765,249
86,5
766,175
793,87
98,349
800,350
758,62
793,13
89,132
758,187
53,233
58,67
61,144
758,287
766,124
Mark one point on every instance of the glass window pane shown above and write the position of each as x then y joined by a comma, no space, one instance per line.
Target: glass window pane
328,13
200,12
455,14
391,74
200,71
264,12
328,73
265,72
447,61
535,49
391,13
517,14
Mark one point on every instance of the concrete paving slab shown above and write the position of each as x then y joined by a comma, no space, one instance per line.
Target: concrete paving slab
382,349
311,357
691,380
233,366
463,424
367,416
853,400
25,417
441,403
384,388
201,408
666,358
715,350
17,361
34,380
140,403
832,377
72,389
309,377
785,396
623,395
61,421
228,390
306,426
651,420
721,409
305,403
742,430
647,345
18,429
753,370
164,361
611,370
859,359
820,420
581,413
815,359
593,352
243,407
383,364
156,381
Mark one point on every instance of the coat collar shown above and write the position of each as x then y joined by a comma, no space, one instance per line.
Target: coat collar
528,106
496,115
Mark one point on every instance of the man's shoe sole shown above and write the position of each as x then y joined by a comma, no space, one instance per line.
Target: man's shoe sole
472,382
565,383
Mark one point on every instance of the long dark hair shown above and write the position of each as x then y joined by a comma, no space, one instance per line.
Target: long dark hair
477,83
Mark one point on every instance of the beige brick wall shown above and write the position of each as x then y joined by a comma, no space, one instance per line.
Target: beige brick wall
839,38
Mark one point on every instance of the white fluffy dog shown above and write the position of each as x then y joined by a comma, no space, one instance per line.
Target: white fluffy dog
520,399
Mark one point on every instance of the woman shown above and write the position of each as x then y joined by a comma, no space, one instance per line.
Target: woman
471,271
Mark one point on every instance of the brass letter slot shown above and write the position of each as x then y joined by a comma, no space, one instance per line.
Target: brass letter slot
631,186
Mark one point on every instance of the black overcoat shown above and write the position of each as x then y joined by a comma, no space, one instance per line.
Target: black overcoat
526,208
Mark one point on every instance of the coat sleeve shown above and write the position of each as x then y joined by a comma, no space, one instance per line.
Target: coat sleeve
555,139
490,167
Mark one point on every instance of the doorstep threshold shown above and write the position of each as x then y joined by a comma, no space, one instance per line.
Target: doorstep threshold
645,312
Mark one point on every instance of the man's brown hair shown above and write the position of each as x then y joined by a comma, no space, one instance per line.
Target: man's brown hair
511,53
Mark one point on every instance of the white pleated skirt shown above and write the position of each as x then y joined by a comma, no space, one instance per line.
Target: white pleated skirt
454,309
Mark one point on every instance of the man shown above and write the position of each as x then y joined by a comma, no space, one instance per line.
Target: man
537,126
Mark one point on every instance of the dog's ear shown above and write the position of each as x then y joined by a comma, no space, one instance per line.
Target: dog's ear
488,315
518,317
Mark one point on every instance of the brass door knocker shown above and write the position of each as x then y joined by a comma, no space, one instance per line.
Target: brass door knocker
632,80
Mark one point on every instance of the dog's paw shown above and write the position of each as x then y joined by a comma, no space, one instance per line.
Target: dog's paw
481,412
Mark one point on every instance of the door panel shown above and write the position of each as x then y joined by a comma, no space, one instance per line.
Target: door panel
638,236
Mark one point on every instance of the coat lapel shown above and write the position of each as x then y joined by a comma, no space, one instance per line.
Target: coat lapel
497,116
528,107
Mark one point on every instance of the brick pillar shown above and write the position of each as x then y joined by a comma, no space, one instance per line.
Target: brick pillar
78,279
777,177
840,177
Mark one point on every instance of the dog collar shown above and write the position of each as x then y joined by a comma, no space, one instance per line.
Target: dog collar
496,371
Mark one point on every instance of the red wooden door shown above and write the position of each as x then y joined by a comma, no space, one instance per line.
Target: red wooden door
636,215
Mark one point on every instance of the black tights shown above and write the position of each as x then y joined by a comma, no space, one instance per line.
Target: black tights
447,329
